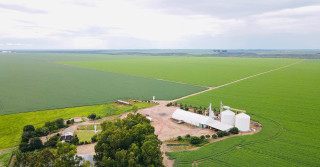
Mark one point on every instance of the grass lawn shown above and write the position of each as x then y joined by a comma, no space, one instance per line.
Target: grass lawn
208,71
286,102
85,135
88,127
12,125
5,156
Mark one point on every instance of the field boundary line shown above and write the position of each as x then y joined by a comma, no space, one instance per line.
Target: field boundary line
251,76
279,68
133,75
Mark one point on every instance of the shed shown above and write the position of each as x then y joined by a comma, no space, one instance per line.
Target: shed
199,120
123,102
190,118
77,119
66,137
218,125
149,118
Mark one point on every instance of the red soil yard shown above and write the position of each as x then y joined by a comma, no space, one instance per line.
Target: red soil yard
167,128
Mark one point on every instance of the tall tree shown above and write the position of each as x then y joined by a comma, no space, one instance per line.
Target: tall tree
128,142
67,156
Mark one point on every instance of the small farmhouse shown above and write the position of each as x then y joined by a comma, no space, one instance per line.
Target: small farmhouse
77,119
66,137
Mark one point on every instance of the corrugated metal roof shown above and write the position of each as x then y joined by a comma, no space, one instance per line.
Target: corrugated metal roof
218,125
189,117
196,119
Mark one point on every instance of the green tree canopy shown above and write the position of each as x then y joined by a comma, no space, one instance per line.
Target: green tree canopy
128,142
35,143
28,128
64,156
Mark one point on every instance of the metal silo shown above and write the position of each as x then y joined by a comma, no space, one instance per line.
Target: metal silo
243,122
227,117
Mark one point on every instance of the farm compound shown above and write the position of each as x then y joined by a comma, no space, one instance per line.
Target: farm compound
228,119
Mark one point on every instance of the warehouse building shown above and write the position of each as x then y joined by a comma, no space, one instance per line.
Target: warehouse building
199,120
228,119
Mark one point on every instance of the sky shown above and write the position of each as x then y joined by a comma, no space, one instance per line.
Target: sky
160,24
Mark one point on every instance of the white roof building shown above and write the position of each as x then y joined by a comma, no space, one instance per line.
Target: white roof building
77,119
199,120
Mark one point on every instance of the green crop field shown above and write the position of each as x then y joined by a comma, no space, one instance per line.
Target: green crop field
286,102
208,71
12,125
33,82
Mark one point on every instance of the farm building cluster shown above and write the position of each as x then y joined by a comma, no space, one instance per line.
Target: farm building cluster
225,122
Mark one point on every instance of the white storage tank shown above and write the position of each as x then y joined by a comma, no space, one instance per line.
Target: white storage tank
243,122
227,117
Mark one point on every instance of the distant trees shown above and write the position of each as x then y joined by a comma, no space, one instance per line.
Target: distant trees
128,142
222,133
64,156
44,131
214,136
28,159
60,123
202,137
55,125
30,140
94,138
92,116
35,143
26,136
28,128
24,147
75,140
135,109
52,142
195,140
234,130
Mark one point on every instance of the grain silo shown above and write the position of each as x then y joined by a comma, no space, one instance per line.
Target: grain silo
243,122
227,117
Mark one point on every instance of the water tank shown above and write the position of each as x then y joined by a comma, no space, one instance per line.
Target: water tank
227,117
243,122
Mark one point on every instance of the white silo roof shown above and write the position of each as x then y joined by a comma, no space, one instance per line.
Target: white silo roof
242,115
228,112
227,117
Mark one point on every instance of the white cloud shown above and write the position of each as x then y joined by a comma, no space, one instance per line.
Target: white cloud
119,18
295,20
96,24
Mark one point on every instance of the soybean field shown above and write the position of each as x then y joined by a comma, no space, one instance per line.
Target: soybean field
34,81
206,71
286,102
